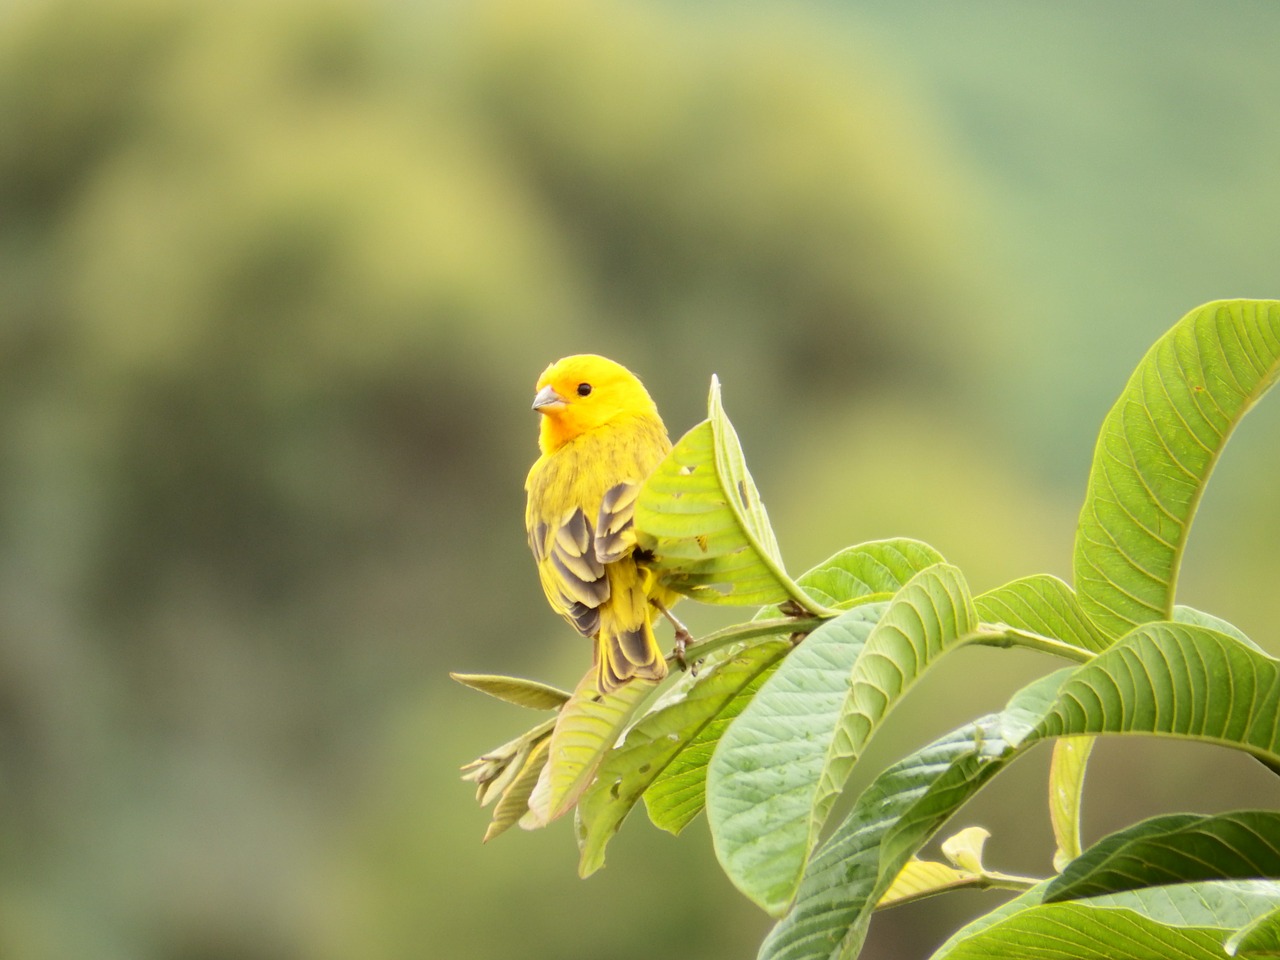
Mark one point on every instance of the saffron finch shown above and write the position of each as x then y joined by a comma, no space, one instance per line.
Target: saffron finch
600,437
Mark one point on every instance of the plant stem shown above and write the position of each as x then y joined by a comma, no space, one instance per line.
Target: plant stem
984,881
987,634
1008,881
1001,635
749,631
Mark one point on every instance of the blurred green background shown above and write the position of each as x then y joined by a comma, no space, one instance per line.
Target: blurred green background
277,279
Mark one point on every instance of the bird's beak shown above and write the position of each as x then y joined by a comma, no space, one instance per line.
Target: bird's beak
547,400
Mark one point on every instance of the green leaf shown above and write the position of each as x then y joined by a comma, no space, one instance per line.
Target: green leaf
772,783
652,743
931,614
701,516
924,878
853,870
523,693
1177,848
494,771
868,570
1041,604
588,726
1179,679
1066,786
1186,921
964,849
1261,938
1199,618
763,779
1144,684
678,795
515,799
891,820
1156,451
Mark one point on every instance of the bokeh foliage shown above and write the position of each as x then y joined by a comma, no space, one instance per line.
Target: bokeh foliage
275,283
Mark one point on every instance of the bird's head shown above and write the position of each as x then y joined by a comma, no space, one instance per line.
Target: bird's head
581,393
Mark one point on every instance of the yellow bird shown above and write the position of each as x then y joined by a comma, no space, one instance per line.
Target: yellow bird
600,438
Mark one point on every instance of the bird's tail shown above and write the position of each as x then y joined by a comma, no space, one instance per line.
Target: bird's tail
626,647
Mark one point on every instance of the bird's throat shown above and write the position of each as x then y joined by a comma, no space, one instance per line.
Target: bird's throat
556,430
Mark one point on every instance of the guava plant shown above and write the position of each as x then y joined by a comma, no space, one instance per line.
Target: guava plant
764,728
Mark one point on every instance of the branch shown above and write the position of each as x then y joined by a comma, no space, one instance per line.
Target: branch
749,631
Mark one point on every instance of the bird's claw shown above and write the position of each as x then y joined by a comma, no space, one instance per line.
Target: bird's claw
683,636
683,639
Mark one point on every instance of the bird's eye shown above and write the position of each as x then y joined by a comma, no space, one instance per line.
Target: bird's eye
584,389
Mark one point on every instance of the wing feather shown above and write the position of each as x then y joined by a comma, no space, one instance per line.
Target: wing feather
615,532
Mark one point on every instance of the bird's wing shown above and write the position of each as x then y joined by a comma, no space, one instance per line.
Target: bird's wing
644,445
572,577
615,533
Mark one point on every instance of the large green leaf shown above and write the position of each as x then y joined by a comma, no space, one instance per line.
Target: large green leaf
1041,604
1190,921
702,518
629,768
679,794
588,726
931,614
1146,683
782,764
1176,848
859,574
1178,679
873,570
763,778
1261,938
1199,618
1155,453
891,820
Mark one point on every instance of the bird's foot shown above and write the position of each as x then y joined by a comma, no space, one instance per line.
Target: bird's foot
683,637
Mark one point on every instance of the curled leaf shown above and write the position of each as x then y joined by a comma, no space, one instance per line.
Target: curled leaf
702,518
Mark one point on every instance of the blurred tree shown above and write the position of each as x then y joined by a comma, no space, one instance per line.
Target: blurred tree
275,283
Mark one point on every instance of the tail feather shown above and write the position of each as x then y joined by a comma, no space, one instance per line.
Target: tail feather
627,654
626,647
